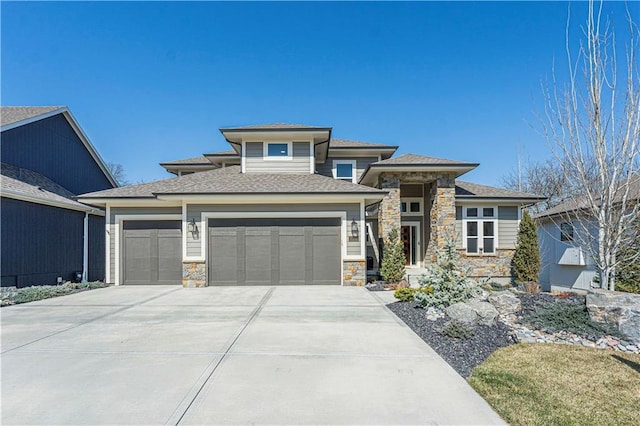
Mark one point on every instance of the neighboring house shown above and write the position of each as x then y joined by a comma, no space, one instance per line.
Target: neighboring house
565,262
289,204
46,234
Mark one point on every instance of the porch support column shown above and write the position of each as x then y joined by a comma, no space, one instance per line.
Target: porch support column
389,211
443,214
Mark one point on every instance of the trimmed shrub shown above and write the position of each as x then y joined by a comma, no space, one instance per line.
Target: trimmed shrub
567,316
526,259
447,282
31,294
393,259
404,294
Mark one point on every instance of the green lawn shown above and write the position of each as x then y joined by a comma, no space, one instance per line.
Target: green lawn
548,384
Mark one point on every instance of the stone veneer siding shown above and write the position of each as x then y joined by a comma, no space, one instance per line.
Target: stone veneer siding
389,210
194,274
443,215
498,265
354,272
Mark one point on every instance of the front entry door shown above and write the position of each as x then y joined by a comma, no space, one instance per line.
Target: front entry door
410,235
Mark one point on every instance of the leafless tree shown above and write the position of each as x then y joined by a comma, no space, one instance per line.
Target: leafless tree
117,171
541,178
592,124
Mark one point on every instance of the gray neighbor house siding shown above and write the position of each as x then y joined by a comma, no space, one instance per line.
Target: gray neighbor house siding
39,242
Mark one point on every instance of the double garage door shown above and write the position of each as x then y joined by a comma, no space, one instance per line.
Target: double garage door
240,252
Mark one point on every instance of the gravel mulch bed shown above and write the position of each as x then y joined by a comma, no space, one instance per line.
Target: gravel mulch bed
461,354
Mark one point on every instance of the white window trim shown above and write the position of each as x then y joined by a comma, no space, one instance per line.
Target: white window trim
353,169
267,157
480,219
118,229
409,200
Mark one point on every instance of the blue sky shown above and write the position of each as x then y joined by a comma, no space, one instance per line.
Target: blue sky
152,82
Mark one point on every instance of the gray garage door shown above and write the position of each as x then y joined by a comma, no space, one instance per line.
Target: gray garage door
152,252
274,251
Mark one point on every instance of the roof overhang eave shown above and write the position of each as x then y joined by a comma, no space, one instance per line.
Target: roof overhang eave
373,170
71,205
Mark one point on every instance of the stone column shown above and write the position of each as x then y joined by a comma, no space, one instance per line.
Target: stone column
443,214
389,211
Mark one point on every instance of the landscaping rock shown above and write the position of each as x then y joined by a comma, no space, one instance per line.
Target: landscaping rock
463,313
621,310
487,313
505,302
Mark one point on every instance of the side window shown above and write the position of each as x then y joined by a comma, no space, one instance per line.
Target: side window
479,228
566,232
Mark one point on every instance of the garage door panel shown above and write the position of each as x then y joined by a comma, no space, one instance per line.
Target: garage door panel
258,257
152,252
274,251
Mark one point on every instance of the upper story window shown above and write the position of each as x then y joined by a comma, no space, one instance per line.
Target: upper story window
344,170
479,230
277,149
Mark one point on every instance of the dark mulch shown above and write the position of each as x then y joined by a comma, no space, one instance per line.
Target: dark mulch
461,354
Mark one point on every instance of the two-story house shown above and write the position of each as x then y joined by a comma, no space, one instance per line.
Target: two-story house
47,236
290,204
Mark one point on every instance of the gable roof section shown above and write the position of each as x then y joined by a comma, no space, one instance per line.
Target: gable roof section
420,160
580,203
27,185
230,181
23,115
346,143
189,162
16,114
468,190
272,126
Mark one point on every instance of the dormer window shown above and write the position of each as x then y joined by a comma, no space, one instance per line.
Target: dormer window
277,150
344,170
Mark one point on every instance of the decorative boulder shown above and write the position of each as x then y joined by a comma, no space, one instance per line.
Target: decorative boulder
621,310
463,313
505,302
487,313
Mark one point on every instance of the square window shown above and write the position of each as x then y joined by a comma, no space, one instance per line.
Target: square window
414,207
472,245
487,211
472,211
566,232
488,245
278,150
344,171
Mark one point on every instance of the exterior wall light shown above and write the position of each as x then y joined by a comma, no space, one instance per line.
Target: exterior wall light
193,228
355,230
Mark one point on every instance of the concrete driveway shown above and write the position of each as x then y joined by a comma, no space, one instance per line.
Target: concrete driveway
223,355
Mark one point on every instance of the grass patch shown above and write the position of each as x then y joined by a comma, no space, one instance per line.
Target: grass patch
543,384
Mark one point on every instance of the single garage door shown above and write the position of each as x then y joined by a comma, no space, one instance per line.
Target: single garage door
274,251
152,252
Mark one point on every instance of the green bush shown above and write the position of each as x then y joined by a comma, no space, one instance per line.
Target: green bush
567,316
526,259
408,294
448,284
458,330
393,259
404,294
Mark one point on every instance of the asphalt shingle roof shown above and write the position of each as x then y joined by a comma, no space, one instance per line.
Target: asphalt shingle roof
35,185
468,189
418,160
274,126
188,161
229,180
345,143
13,114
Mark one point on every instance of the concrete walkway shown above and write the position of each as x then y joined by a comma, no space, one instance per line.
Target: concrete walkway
277,355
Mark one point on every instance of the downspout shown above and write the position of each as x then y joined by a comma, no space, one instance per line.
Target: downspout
85,248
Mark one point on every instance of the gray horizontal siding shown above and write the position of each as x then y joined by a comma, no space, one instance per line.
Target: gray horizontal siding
361,165
256,163
195,211
114,211
507,226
